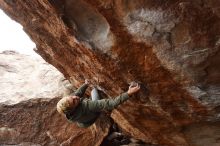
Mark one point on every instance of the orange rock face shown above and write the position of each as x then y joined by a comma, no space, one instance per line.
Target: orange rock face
36,122
171,48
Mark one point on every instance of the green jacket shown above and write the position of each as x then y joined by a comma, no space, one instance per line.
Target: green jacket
86,113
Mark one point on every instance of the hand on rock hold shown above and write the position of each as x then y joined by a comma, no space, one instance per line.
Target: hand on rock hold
133,89
87,81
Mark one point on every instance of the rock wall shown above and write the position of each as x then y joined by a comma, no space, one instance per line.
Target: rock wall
170,47
35,122
28,115
23,77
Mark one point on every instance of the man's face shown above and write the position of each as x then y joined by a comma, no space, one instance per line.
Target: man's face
73,100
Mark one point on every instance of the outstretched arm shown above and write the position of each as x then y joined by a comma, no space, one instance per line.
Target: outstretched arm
110,104
81,90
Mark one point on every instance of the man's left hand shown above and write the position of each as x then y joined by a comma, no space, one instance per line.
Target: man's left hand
87,81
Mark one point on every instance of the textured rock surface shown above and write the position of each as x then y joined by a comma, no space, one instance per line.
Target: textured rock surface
23,77
171,47
203,130
36,122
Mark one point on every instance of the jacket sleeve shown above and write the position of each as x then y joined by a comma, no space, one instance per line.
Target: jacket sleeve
81,90
106,104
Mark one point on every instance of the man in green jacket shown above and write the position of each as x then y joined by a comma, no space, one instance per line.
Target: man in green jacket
85,111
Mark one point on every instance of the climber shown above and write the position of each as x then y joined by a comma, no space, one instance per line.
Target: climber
85,111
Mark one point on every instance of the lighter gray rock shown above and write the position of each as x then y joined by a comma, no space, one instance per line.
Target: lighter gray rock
23,77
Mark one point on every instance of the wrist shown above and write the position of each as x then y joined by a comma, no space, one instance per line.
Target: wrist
129,93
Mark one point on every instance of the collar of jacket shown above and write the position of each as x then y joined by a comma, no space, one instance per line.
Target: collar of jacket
72,113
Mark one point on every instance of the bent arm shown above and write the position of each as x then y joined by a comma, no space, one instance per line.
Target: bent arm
107,104
81,90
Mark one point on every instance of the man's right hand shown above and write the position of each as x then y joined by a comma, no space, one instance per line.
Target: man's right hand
133,89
